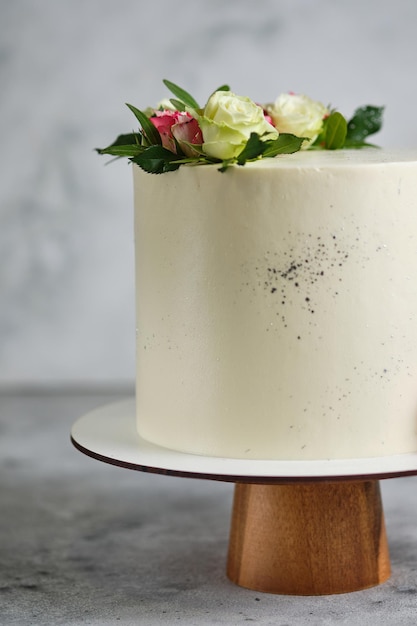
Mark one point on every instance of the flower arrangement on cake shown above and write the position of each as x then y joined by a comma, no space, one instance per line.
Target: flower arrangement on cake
231,129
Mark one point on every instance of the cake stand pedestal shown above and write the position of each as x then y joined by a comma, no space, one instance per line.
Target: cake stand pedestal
298,527
308,538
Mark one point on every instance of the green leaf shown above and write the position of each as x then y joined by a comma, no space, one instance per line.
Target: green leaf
256,147
124,145
181,94
355,145
157,160
223,88
129,138
180,106
366,121
253,149
285,144
152,135
122,151
226,164
336,130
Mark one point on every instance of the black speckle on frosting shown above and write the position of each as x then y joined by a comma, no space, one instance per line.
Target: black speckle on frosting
292,274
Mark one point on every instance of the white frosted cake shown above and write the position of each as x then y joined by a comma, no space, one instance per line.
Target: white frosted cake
277,306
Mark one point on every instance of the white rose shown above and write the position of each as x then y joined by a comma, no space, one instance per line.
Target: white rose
227,122
165,105
298,115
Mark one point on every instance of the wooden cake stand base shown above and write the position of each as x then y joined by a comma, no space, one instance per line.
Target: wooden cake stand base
298,527
308,539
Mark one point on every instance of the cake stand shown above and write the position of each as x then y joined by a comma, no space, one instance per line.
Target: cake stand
298,527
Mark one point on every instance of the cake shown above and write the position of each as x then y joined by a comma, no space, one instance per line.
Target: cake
276,265
277,306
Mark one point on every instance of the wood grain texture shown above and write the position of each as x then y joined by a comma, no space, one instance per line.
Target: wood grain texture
308,539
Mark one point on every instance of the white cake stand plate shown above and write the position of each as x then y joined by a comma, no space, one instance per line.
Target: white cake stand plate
298,527
109,434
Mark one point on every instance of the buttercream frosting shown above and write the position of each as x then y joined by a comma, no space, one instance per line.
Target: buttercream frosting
277,306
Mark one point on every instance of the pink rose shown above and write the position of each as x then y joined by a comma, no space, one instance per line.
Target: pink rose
187,133
178,124
163,122
267,117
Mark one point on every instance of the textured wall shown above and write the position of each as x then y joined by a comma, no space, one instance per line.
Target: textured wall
67,67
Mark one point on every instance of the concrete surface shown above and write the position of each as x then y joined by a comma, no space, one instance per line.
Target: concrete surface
82,542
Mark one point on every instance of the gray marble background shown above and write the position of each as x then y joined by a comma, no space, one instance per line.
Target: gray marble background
66,69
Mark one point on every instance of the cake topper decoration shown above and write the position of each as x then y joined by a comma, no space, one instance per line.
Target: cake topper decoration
231,129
